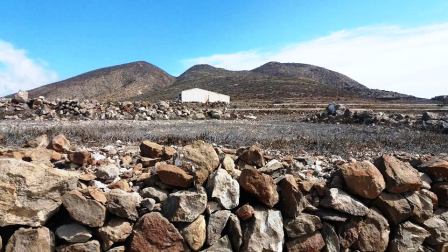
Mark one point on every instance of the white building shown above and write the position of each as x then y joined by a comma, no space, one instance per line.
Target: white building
202,96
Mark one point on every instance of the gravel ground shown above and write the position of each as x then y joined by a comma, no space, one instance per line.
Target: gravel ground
343,140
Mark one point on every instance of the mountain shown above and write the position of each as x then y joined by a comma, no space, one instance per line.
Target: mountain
121,82
272,81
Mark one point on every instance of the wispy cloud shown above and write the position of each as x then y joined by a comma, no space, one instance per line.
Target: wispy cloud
408,60
20,72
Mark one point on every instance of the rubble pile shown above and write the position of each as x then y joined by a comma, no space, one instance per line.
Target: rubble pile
338,113
203,197
21,107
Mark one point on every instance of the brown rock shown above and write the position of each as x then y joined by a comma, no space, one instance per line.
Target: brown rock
260,185
292,200
38,142
363,179
80,157
399,176
150,149
31,239
174,176
90,246
253,156
153,232
195,233
168,152
59,143
373,233
97,194
394,206
245,212
120,184
435,168
441,190
116,230
86,211
200,158
310,243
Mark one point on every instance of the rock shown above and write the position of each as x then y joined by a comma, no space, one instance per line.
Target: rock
185,206
228,164
86,211
90,246
107,172
151,150
302,225
421,205
245,212
123,204
152,192
292,200
341,201
216,224
235,232
59,143
260,185
264,232
199,157
253,156
435,168
21,97
394,206
195,233
73,233
1,243
148,203
31,193
222,187
97,195
331,238
331,215
437,227
39,142
399,176
441,190
373,233
408,237
153,232
310,243
118,249
80,157
223,245
168,152
116,230
363,179
174,176
23,239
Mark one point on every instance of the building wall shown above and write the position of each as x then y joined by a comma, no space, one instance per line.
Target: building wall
200,95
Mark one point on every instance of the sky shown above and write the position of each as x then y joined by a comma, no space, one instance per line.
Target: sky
399,45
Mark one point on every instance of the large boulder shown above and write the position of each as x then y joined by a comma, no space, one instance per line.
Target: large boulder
153,232
408,237
198,157
30,193
86,211
185,206
123,204
31,239
195,233
260,185
264,232
341,201
363,179
116,230
174,176
400,176
222,187
436,168
292,201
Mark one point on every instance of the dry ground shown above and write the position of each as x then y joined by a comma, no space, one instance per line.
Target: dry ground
344,140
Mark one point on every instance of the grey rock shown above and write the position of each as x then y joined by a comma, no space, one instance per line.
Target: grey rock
116,230
73,233
437,227
264,232
331,238
302,225
216,224
90,246
408,237
341,201
39,239
158,194
185,205
86,211
107,172
235,232
222,187
148,203
123,204
222,245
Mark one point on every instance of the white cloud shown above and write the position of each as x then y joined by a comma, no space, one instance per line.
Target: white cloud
408,60
19,72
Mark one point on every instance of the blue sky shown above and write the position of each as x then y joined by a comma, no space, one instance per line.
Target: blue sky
58,39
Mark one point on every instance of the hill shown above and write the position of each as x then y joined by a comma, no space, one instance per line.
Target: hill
272,81
121,82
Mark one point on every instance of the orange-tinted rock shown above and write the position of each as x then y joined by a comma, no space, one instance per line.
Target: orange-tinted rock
399,176
151,149
435,168
174,176
59,143
292,200
153,232
363,179
245,212
168,152
260,185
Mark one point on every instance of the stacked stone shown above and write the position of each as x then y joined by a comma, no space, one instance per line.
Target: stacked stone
201,197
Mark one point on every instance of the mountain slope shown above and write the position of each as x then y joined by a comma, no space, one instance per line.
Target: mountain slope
272,81
121,82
